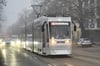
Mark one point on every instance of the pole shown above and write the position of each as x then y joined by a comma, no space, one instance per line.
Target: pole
33,36
25,32
38,15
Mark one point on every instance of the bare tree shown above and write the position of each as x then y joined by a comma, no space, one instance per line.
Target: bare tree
73,8
2,4
25,17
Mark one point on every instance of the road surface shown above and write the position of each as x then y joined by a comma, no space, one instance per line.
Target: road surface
88,56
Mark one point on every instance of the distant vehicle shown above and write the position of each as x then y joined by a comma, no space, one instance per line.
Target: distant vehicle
4,44
7,43
51,36
84,42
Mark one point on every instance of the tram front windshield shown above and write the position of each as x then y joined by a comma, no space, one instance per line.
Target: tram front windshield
60,30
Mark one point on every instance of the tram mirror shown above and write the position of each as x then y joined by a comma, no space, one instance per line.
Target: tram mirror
42,28
74,27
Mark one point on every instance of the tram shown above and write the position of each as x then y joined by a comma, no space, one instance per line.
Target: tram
51,36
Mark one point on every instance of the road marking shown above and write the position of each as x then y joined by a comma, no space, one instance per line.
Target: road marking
49,65
25,54
54,64
67,64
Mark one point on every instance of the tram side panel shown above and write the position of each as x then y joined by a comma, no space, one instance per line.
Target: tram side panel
38,40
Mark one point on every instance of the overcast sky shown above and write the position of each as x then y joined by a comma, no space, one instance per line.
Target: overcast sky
14,7
12,10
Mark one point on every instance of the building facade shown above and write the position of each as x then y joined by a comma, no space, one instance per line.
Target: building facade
92,20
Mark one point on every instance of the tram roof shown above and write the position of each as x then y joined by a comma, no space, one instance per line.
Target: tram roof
54,18
42,19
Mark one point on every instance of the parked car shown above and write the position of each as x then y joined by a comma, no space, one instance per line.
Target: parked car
84,42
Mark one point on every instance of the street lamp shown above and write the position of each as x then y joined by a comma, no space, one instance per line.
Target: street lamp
63,9
34,6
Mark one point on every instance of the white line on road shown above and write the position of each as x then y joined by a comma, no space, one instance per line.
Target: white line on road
49,65
67,64
25,54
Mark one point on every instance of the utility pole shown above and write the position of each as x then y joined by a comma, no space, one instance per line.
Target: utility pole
25,28
38,15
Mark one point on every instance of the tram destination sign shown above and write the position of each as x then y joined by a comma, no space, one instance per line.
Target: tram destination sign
59,23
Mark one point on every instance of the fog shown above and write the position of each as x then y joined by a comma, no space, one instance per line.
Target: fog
11,12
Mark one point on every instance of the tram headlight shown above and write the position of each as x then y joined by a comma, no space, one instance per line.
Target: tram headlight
36,42
68,41
53,41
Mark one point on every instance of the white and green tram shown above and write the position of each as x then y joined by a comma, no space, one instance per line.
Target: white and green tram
52,35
